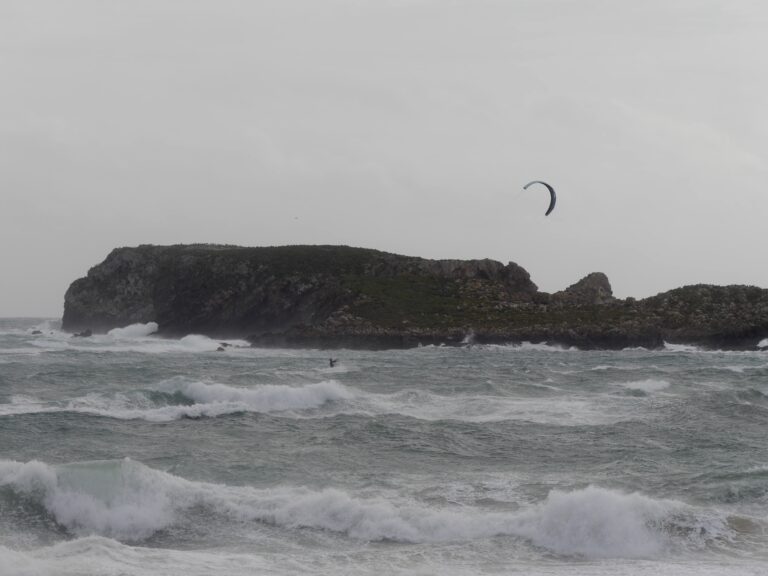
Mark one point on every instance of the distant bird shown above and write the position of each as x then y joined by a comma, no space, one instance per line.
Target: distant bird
552,195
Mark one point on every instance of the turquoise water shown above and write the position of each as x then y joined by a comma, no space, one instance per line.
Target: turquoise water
130,454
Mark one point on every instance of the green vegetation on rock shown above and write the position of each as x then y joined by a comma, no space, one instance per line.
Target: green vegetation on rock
338,295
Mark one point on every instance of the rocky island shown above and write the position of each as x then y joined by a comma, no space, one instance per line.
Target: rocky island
338,296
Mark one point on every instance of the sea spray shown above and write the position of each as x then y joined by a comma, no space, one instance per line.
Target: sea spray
130,501
263,398
134,330
599,523
179,398
119,499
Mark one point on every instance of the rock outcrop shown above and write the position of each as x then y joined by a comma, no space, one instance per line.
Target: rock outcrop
593,289
331,296
229,290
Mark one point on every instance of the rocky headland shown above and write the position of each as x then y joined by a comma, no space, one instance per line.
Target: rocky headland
338,296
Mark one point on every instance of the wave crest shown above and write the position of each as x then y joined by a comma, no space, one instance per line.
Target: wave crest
134,330
119,499
265,398
127,500
179,398
600,523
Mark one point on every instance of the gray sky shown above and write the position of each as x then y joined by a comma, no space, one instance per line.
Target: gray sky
403,125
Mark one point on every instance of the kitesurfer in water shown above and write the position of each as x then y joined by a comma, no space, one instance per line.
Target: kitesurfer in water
332,361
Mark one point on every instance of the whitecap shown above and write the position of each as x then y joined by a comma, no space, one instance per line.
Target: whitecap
599,523
571,410
542,347
127,500
263,398
650,385
134,331
210,400
137,338
120,499
21,404
681,347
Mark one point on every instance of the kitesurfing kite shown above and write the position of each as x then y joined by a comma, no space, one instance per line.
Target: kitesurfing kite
552,196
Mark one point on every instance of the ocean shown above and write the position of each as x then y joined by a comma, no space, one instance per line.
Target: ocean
129,454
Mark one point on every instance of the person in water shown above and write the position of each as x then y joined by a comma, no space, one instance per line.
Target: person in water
332,361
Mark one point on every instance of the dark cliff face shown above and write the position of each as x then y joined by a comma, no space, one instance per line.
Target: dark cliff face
716,316
117,292
227,290
354,297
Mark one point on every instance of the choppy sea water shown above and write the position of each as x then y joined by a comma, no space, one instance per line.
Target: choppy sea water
134,455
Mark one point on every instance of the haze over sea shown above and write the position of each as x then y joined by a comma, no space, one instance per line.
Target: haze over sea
135,455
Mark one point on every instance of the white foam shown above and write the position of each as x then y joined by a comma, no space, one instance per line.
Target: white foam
623,368
127,500
119,499
135,338
592,523
199,343
650,385
99,555
757,469
134,331
21,351
215,399
114,409
736,369
21,404
542,347
693,349
265,398
681,348
599,523
570,410
211,400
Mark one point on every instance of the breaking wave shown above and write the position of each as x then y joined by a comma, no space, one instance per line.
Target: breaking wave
265,398
681,348
539,347
178,398
138,338
183,398
134,330
128,501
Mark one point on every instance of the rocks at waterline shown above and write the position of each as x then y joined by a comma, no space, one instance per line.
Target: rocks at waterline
337,296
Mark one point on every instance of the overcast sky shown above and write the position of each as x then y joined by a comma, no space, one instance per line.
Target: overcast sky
408,126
